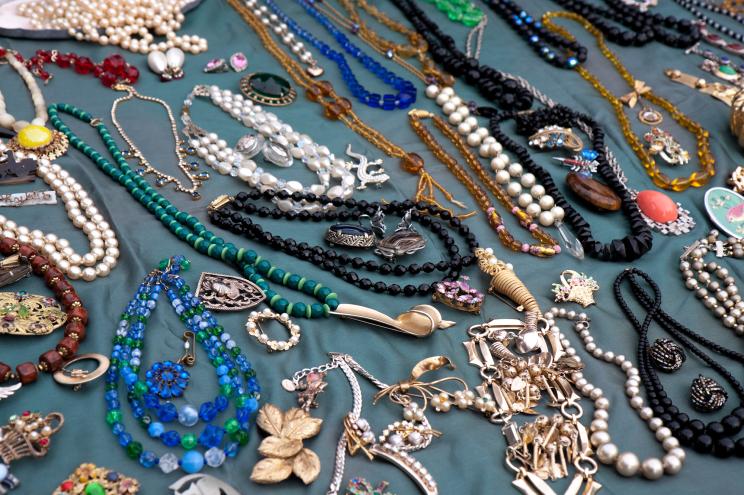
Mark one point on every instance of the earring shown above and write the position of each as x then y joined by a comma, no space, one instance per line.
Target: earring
665,355
168,65
707,395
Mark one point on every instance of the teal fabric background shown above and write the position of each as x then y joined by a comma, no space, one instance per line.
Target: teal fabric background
469,457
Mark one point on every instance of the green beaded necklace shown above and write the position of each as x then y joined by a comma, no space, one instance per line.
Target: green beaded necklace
462,11
188,228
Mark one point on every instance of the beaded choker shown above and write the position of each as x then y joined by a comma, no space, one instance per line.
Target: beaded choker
165,381
187,227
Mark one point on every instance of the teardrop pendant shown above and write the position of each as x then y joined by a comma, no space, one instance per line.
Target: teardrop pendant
570,242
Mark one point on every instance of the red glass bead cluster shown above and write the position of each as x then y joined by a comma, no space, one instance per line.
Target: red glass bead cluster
114,68
77,316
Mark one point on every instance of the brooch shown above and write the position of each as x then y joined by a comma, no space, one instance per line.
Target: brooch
90,479
202,484
405,239
227,293
360,486
26,314
458,294
554,136
267,89
253,327
661,143
575,287
350,235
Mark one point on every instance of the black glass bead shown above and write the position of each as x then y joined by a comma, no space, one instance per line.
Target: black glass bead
703,444
715,429
739,448
731,424
685,436
696,426
724,447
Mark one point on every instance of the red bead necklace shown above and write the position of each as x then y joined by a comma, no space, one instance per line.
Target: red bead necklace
77,316
114,69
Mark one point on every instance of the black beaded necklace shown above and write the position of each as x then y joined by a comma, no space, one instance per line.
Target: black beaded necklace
234,216
629,248
504,93
716,437
643,28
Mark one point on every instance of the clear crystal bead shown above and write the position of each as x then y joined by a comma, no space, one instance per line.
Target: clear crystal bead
214,457
570,242
168,463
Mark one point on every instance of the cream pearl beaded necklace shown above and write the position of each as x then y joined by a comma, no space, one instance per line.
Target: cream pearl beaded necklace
625,463
231,161
130,24
104,246
37,97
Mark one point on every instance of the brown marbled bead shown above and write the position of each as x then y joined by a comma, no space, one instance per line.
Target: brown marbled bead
69,299
27,373
27,251
80,313
68,347
39,264
60,286
75,328
5,372
9,246
593,192
52,360
51,273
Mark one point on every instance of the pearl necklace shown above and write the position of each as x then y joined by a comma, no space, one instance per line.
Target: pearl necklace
9,121
104,246
721,298
130,24
535,202
626,463
281,30
275,133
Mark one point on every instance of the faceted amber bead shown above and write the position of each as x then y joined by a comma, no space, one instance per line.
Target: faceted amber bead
314,93
53,361
333,111
325,87
27,373
412,163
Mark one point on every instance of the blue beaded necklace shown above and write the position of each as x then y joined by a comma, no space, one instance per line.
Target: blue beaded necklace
406,95
236,378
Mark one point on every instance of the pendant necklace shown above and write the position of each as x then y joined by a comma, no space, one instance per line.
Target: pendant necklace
405,95
240,216
32,138
187,227
145,167
277,142
82,211
167,380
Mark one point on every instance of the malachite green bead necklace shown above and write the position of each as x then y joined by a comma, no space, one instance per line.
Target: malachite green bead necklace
188,228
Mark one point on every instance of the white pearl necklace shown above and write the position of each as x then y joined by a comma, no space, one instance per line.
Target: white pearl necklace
7,120
104,246
228,161
720,296
288,39
625,463
130,24
535,202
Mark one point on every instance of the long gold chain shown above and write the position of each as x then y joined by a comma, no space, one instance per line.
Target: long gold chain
702,137
134,152
547,245
336,107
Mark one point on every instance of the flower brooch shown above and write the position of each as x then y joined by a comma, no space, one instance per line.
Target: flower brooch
575,287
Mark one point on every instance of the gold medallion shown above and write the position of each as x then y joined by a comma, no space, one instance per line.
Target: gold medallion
39,141
28,314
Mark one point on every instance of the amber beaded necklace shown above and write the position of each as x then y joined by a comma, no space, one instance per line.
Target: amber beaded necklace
336,107
702,137
547,245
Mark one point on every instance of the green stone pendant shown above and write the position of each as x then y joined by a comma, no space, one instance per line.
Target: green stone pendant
267,89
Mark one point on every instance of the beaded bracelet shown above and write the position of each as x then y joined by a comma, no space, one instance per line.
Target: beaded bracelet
188,228
77,317
236,378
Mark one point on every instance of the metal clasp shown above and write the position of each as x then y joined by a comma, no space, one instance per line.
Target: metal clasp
77,377
219,202
189,356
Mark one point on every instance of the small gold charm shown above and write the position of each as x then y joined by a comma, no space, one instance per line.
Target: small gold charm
283,450
575,287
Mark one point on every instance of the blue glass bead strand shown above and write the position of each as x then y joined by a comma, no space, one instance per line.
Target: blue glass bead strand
406,91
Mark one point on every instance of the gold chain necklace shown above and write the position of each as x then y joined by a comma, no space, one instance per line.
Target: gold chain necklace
547,246
146,167
336,107
702,137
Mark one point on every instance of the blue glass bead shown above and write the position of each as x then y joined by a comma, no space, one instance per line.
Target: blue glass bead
125,439
170,438
222,369
148,459
167,412
207,412
117,429
231,449
221,403
155,429
151,401
188,415
211,436
192,462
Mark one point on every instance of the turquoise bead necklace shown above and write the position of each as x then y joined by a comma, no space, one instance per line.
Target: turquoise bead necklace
188,228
